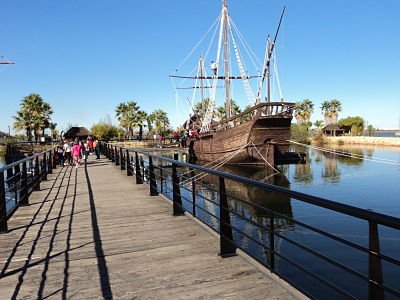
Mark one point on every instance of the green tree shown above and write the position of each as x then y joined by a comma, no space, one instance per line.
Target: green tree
160,120
330,110
356,124
33,116
125,113
105,131
54,131
303,111
319,124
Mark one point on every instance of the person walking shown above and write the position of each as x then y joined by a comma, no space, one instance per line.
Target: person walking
67,153
76,153
96,146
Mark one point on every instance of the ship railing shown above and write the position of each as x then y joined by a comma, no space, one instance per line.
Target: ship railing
19,179
301,259
265,109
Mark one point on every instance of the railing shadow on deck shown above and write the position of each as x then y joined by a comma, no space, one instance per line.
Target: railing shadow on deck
53,196
166,176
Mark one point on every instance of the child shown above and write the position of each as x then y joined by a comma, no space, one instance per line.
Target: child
76,152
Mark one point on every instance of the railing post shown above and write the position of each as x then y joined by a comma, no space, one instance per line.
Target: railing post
153,182
37,175
142,167
128,166
3,208
375,266
227,248
50,165
139,178
55,157
45,165
192,175
112,153
161,177
121,159
271,255
177,200
116,156
24,185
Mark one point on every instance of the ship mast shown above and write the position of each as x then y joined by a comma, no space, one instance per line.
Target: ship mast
226,59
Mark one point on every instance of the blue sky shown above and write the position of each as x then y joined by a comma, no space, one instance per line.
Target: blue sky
84,57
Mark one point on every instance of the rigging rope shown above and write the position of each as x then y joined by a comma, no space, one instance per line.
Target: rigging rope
246,84
195,47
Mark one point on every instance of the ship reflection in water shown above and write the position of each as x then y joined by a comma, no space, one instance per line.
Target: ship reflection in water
254,233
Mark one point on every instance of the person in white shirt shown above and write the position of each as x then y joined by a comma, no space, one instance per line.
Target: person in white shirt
67,153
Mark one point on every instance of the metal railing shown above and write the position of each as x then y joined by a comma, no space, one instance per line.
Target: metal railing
176,180
19,179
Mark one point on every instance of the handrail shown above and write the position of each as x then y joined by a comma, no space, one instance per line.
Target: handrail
221,224
353,211
4,168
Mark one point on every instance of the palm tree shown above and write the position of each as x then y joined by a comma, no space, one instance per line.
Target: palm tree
330,110
161,120
141,117
126,115
303,111
34,115
54,131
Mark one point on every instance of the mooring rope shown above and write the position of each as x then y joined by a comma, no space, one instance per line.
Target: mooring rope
218,165
264,158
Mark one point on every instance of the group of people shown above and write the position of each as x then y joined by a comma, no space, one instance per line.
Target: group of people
71,152
181,139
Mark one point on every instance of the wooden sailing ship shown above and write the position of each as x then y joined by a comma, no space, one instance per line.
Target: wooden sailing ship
260,134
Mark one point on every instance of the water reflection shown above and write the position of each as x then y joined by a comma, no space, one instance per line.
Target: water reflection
331,172
276,202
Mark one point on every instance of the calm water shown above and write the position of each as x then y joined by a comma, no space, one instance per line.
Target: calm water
368,178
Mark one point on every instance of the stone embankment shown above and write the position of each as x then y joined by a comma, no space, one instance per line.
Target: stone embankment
363,140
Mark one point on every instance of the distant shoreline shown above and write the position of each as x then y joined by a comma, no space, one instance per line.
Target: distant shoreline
363,140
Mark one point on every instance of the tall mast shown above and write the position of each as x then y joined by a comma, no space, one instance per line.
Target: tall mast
269,71
226,60
202,86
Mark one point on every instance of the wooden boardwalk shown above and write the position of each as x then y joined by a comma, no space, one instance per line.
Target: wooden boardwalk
92,233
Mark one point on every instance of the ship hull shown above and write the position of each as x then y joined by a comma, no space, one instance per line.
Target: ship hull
258,141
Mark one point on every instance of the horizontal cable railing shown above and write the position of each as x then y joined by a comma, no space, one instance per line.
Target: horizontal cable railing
177,180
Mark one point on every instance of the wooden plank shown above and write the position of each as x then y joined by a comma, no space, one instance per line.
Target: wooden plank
96,234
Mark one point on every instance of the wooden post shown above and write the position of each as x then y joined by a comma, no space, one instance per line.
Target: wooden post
139,178
227,247
177,200
375,266
153,182
3,208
